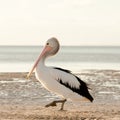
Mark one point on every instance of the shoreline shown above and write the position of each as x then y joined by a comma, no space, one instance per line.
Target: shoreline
84,71
20,99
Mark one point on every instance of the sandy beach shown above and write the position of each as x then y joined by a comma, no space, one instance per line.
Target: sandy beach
22,99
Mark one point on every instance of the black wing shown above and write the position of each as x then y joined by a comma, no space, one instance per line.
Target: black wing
81,90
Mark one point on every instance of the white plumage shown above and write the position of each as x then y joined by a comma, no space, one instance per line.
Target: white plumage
58,80
50,79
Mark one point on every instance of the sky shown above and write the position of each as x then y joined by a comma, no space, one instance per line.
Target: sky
73,22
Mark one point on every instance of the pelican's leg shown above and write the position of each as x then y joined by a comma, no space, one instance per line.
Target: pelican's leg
51,104
57,101
62,105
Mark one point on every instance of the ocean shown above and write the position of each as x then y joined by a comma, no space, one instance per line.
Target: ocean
74,58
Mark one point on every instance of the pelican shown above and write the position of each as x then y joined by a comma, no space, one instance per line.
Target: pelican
60,81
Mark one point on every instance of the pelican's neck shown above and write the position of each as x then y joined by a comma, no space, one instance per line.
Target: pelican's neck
41,63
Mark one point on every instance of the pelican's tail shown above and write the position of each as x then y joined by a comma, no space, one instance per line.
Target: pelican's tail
84,90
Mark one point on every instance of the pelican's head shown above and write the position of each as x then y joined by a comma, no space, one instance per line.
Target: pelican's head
52,45
51,48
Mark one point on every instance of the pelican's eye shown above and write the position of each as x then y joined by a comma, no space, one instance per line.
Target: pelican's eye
47,43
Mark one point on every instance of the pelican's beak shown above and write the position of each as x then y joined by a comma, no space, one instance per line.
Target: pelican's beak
46,49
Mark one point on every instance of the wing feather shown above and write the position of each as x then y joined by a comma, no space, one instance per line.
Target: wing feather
65,76
69,80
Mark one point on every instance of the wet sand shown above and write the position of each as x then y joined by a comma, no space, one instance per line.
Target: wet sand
20,99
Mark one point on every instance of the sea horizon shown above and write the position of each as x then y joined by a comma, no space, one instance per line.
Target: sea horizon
75,58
